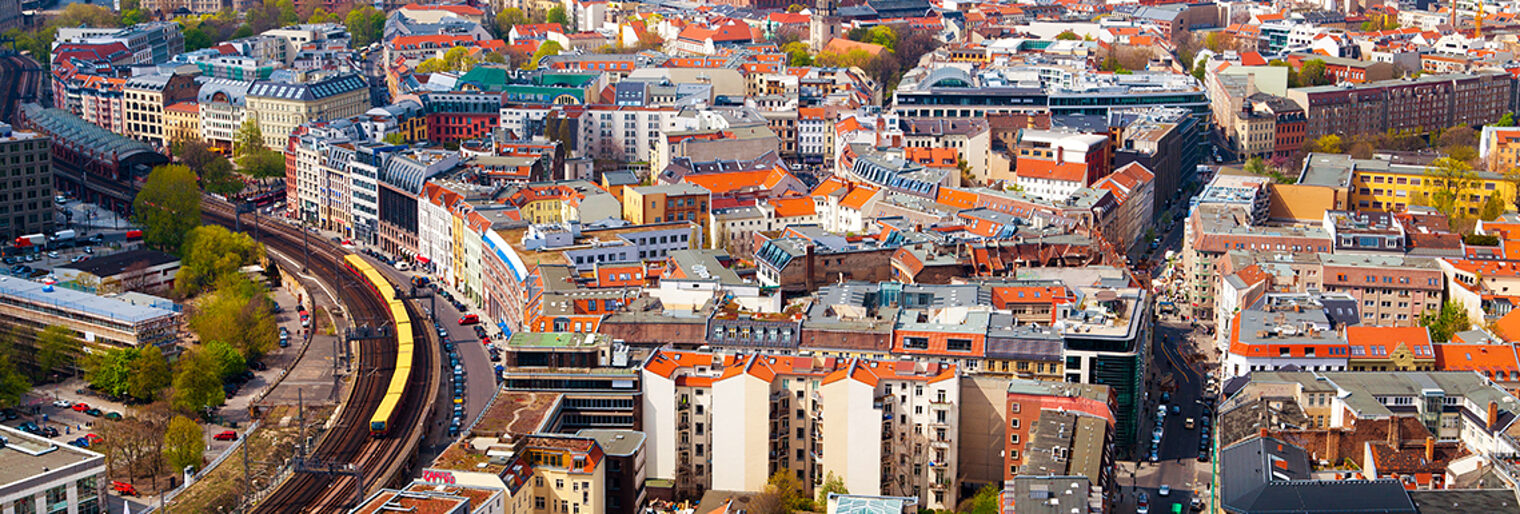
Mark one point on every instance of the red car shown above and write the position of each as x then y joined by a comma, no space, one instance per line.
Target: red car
81,407
226,435
125,489
469,319
94,439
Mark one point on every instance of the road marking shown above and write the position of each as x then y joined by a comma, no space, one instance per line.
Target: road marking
296,265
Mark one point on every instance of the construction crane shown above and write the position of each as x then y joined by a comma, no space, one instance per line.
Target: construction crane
1478,22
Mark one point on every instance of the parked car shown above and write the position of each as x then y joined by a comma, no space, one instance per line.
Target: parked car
81,407
113,416
52,255
226,435
123,488
469,319
63,404
94,412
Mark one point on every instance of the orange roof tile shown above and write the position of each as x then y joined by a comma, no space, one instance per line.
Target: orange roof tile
792,207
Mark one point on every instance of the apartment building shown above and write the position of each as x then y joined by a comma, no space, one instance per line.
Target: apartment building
26,176
729,422
280,107
666,202
1051,165
1060,429
223,107
183,121
1499,147
1419,104
145,99
1391,290
1216,227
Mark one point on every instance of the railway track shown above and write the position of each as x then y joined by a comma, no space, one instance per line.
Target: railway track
348,443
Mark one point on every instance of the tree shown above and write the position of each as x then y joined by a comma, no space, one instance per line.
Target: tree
262,163
508,18
988,500
1360,150
13,383
831,484
455,59
545,49
1508,120
394,138
211,255
785,484
56,349
1330,143
231,362
557,15
882,35
237,314
1460,135
150,374
1200,69
249,138
197,384
365,25
244,30
1452,318
183,444
217,177
797,54
1312,73
1068,36
131,17
109,371
1449,182
168,206
288,14
1218,42
1493,207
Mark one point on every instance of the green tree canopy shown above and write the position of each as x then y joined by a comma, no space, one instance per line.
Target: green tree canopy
262,163
988,500
248,139
1508,120
168,206
1068,36
508,18
545,49
557,15
1452,318
394,138
149,374
882,35
237,314
211,255
365,25
197,382
831,484
183,443
110,370
57,347
228,358
1449,182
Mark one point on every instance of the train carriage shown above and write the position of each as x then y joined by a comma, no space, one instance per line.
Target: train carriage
395,390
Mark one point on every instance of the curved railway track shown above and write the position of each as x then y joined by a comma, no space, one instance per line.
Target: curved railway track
348,442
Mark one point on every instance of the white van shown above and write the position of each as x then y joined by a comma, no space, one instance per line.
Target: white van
403,265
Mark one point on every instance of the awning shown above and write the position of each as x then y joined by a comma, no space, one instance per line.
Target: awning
422,259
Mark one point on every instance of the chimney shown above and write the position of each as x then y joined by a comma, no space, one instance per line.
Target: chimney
1393,432
1493,415
881,126
808,268
1430,449
1263,432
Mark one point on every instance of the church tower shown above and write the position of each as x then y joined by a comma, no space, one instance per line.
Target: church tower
824,25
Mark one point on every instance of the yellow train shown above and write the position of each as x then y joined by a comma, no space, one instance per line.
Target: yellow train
385,414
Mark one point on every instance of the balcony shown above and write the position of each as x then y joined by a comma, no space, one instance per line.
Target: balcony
939,484
683,425
683,405
940,443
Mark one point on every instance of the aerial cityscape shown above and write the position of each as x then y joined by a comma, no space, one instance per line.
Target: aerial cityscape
759,256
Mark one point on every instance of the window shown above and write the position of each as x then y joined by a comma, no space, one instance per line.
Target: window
1013,422
916,343
1013,439
958,345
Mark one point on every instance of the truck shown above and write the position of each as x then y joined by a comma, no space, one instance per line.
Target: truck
64,237
31,240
